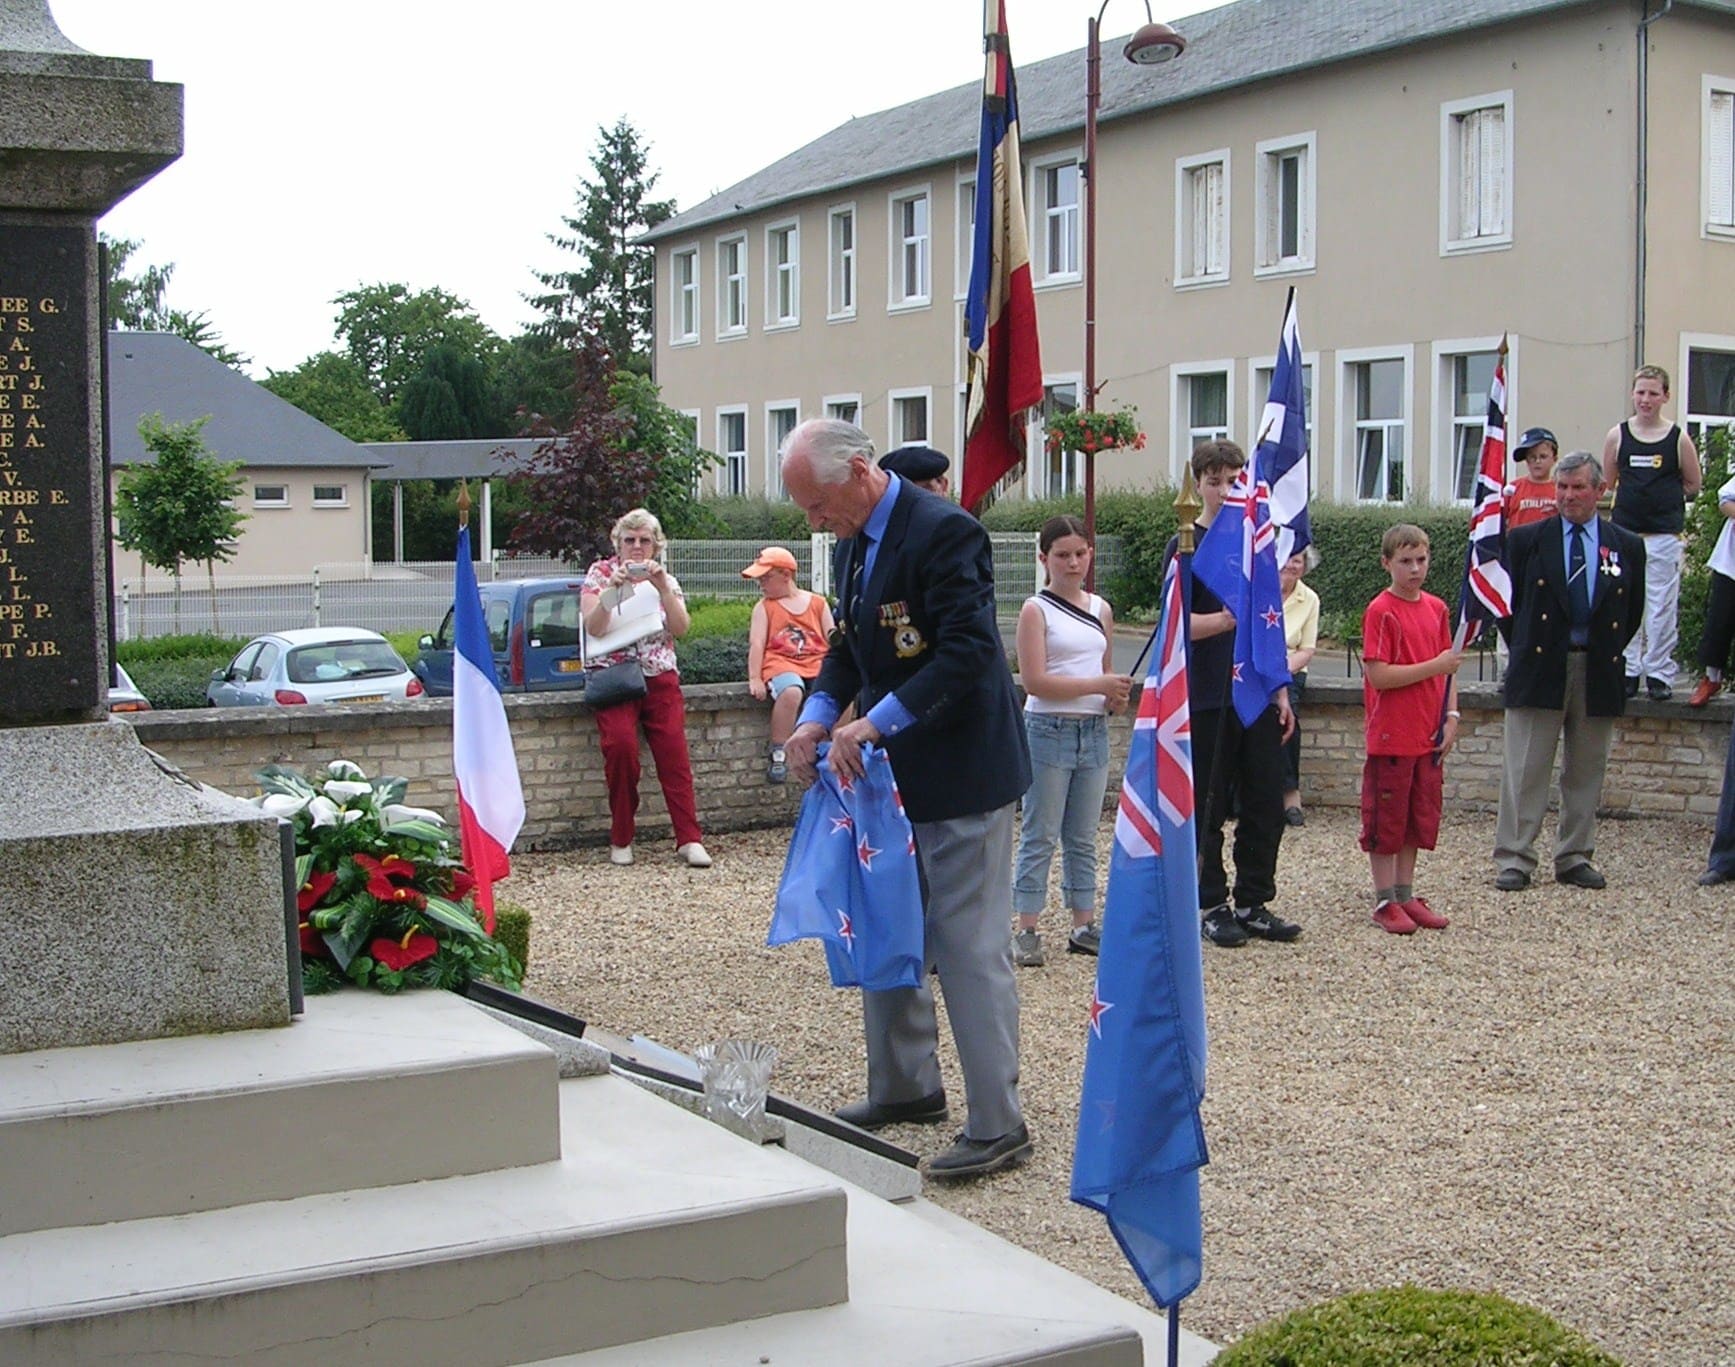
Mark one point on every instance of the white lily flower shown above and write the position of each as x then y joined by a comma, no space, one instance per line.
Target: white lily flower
350,816
345,790
323,810
397,812
279,804
343,768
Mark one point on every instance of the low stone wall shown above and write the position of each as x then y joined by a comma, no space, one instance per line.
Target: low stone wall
1667,759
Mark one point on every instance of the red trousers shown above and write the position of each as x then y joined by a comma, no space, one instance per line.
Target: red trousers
663,713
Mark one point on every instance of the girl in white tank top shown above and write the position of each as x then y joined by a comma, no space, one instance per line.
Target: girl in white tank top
1065,663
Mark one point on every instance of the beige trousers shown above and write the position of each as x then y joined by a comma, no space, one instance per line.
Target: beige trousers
1532,734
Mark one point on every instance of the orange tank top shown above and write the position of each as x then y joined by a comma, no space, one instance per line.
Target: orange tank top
794,642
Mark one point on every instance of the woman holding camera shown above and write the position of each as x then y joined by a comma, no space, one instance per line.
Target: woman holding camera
639,545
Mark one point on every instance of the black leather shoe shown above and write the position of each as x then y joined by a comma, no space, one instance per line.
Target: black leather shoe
1512,880
1260,922
1715,877
1294,816
925,1110
1633,682
1658,690
1581,876
978,1157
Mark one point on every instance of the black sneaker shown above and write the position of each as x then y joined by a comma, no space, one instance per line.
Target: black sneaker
1658,690
1221,928
1260,922
1086,939
1633,682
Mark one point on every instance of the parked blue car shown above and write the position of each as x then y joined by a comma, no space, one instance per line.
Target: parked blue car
533,629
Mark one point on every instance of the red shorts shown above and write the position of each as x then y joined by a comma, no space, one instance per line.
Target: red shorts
1401,797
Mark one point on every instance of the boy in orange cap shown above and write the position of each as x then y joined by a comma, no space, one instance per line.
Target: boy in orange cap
786,644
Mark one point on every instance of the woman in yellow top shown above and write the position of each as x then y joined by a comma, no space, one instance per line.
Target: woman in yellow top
1301,635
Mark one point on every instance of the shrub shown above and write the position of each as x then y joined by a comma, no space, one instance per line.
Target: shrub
512,930
717,617
1407,1326
200,645
758,519
713,659
176,683
1704,524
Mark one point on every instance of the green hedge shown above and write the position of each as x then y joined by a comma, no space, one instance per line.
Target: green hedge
758,519
512,930
1704,523
1407,1326
713,659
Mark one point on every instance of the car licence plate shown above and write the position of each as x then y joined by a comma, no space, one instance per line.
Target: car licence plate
371,697
568,666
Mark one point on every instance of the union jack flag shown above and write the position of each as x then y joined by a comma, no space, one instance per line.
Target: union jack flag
1140,1141
1487,593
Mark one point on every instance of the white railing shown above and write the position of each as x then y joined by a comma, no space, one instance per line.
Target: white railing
414,595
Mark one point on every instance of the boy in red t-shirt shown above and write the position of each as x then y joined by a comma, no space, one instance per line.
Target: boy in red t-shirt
1530,497
1408,669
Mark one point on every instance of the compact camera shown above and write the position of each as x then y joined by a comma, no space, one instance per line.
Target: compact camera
638,569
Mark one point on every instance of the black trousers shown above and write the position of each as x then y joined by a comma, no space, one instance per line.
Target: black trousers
1719,624
1248,761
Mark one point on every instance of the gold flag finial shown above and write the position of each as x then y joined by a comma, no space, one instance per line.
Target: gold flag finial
1187,510
463,503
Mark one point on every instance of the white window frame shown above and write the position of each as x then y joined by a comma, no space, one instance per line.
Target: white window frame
682,294
896,300
698,416
1691,342
1042,220
829,405
777,273
843,265
1184,168
1717,179
1452,239
964,233
894,397
341,501
1268,260
1036,445
725,279
280,501
733,460
960,419
1180,411
1344,437
1259,370
1443,422
774,471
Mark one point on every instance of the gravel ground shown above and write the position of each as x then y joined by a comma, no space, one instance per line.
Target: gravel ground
1539,1101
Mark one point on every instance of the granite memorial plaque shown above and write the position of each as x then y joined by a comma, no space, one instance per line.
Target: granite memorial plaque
50,660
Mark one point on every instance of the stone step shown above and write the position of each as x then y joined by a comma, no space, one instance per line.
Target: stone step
362,1091
653,1222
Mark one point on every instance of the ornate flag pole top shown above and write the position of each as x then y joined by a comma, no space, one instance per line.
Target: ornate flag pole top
463,503
1187,510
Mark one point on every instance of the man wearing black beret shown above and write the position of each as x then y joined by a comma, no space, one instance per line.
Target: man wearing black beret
921,466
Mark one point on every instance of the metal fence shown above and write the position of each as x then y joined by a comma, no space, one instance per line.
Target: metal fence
414,595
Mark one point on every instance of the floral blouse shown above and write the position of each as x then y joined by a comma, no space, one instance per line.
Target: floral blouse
656,653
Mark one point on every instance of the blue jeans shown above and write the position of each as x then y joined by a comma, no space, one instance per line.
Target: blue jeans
1069,775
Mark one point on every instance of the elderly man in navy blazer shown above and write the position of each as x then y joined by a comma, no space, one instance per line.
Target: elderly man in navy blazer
1578,591
919,653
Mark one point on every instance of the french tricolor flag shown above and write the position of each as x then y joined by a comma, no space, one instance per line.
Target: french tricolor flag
490,797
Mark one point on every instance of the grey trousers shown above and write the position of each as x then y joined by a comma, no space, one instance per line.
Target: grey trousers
966,868
1532,734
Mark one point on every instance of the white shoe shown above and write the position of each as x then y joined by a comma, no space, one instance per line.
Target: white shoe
620,854
693,855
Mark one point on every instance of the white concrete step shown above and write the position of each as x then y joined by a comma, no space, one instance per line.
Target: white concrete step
929,1289
653,1222
362,1091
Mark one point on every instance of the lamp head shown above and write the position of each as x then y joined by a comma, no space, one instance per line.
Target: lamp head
1154,43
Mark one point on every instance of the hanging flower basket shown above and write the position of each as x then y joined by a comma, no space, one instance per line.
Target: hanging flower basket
1097,430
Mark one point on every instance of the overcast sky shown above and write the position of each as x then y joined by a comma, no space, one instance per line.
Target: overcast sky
434,143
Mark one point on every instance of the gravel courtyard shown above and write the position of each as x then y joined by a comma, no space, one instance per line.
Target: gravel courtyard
1539,1101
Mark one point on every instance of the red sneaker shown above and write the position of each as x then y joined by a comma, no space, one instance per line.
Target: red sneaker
1391,917
1418,910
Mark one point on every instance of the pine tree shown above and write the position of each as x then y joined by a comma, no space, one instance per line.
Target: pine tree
609,286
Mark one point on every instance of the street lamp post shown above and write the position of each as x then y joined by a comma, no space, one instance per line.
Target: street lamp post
1152,44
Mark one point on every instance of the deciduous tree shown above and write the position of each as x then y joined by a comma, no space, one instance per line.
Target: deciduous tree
388,331
137,303
332,388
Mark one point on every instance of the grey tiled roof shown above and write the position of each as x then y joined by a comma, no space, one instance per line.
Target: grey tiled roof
1233,45
158,372
488,457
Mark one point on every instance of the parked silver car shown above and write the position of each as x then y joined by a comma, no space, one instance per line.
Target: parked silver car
124,695
313,664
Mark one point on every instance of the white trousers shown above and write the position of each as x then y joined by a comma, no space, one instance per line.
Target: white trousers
1651,652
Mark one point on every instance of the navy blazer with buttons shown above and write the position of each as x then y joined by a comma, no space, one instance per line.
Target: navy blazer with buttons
1540,628
925,629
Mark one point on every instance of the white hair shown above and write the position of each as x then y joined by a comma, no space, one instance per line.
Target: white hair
829,444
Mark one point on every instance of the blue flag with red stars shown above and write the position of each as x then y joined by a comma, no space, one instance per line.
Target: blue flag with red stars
851,881
1140,1141
1237,561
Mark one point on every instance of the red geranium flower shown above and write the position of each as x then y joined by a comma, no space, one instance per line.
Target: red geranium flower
398,955
316,886
392,879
